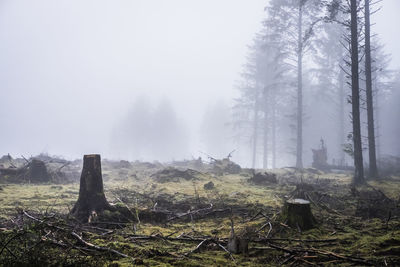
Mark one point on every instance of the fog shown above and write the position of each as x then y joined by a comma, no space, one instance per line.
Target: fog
144,80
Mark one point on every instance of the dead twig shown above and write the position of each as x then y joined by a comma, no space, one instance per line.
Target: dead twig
257,214
265,225
62,166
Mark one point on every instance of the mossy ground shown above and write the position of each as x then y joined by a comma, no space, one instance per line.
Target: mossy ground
376,240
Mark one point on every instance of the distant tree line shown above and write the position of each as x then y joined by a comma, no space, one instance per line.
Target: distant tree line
148,133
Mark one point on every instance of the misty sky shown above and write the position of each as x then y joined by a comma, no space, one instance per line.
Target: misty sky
71,69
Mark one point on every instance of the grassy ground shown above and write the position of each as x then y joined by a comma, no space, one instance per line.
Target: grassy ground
349,237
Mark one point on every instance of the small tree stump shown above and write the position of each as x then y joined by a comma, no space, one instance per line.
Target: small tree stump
297,213
237,244
91,199
209,186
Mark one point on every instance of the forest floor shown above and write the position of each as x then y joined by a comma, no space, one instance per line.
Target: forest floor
184,224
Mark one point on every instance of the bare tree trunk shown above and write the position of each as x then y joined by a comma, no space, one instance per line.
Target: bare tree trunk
373,169
265,129
255,129
273,106
355,96
377,122
299,141
342,134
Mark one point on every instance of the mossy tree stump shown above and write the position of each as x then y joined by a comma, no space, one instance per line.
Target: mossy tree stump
297,213
91,200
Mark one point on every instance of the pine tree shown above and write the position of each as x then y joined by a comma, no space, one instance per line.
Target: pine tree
373,169
355,94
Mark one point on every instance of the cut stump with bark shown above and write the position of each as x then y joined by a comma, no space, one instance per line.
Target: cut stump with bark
297,213
91,200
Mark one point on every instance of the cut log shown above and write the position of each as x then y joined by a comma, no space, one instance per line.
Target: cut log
91,200
297,213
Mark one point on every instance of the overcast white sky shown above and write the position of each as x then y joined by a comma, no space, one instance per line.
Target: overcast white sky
69,69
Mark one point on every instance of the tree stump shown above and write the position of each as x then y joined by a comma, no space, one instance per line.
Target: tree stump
38,171
91,200
237,244
209,186
297,213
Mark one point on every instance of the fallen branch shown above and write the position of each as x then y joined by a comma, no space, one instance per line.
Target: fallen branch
324,253
199,246
76,236
338,256
190,213
42,221
322,205
270,229
130,211
262,227
295,240
207,241
62,166
110,250
227,251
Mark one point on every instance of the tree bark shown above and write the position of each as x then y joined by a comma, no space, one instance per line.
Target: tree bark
373,169
355,97
91,200
299,140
